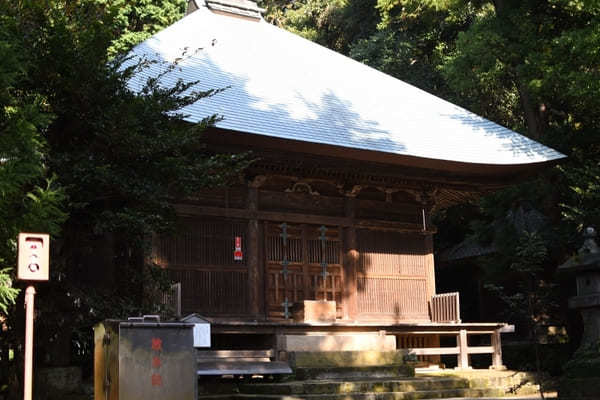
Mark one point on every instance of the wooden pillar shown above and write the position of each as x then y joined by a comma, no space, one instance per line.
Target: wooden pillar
255,270
306,277
497,354
463,355
349,295
428,201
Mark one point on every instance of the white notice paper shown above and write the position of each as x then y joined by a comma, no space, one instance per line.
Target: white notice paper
201,335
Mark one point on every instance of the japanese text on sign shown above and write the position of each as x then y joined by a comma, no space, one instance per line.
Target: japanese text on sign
156,378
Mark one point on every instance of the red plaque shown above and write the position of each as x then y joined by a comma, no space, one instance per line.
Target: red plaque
237,252
156,344
156,380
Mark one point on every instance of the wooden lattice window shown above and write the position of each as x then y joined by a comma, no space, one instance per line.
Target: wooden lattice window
302,278
201,242
200,256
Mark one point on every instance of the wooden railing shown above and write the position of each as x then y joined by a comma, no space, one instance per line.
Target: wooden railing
445,307
462,350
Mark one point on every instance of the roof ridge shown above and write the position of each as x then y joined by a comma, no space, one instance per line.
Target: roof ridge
246,8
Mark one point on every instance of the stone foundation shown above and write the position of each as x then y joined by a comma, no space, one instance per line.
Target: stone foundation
334,342
345,358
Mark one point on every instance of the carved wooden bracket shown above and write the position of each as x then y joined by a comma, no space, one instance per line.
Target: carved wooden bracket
302,187
388,193
352,192
427,196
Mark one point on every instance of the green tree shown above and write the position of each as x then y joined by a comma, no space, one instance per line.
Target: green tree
136,20
411,41
30,199
534,67
120,159
532,301
333,24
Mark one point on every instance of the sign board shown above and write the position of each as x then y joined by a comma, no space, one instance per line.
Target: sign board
201,335
34,256
237,253
154,361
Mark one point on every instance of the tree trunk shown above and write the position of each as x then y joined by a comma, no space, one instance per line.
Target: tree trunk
533,112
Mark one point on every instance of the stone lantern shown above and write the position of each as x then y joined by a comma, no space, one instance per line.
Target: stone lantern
586,267
582,373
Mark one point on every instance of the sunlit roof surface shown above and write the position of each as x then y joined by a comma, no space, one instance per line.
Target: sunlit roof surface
283,86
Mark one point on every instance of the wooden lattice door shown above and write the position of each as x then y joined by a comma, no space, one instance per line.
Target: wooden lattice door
298,257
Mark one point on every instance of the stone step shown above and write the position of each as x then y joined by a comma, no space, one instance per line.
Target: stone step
413,395
375,372
321,359
314,387
512,382
444,385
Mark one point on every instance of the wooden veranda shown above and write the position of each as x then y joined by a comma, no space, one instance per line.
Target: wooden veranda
420,340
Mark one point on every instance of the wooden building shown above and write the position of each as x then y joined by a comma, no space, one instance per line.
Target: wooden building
350,164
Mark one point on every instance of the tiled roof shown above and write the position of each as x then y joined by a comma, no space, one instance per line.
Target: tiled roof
281,85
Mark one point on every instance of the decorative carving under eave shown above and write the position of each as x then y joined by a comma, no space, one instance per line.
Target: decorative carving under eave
388,193
427,196
352,192
301,187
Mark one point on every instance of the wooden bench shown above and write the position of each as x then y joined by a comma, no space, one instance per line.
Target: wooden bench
239,362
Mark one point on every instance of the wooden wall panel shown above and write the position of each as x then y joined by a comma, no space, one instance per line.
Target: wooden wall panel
201,242
255,259
400,299
391,253
381,210
212,292
393,276
200,257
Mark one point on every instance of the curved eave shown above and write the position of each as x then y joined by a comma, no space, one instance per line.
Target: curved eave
493,174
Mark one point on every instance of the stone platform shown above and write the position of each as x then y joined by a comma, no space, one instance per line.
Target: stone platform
347,383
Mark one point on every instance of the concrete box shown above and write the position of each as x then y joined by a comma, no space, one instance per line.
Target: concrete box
319,311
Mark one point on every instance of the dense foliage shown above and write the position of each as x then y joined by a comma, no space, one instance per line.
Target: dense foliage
87,160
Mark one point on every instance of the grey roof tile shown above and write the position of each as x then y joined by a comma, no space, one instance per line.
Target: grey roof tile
284,86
